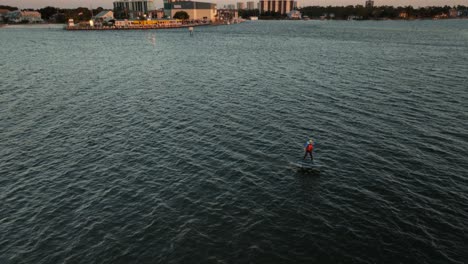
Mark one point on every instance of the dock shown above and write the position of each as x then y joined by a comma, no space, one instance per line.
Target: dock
137,27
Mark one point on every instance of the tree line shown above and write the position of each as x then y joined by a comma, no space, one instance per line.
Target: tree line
10,8
378,12
362,12
61,15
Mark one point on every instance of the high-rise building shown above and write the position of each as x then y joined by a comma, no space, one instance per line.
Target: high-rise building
369,3
240,5
231,6
134,6
277,6
251,5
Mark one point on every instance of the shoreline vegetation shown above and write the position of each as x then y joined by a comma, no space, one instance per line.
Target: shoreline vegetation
358,12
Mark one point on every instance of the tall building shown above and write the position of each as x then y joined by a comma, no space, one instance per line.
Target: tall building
251,5
277,6
240,5
369,3
231,6
134,7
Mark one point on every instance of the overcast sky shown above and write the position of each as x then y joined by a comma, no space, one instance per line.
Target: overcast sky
108,3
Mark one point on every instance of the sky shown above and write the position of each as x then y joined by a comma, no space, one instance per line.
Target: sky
108,3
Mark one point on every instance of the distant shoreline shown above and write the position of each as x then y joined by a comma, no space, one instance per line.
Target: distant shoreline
64,26
44,25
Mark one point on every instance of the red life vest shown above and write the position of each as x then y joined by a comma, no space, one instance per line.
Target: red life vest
309,147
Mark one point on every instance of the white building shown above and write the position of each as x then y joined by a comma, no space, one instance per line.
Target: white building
294,14
22,16
104,16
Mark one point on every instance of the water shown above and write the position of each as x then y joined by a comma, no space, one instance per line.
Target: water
158,147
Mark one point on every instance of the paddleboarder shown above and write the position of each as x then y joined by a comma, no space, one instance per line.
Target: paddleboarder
308,149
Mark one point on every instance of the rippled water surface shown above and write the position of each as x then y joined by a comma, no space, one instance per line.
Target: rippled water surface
158,147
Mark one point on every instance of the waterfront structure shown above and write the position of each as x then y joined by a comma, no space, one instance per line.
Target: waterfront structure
227,15
369,3
240,5
141,24
250,5
134,8
104,16
277,6
294,14
22,16
195,10
158,14
3,13
135,25
453,12
441,16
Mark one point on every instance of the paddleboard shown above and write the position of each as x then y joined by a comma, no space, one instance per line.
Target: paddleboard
308,164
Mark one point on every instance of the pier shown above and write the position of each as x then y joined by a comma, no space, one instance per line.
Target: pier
137,27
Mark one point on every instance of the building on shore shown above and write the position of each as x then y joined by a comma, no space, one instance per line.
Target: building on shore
24,17
295,15
250,5
103,16
130,24
195,10
134,8
140,24
277,6
227,15
240,5
441,16
453,13
369,3
403,15
3,13
158,14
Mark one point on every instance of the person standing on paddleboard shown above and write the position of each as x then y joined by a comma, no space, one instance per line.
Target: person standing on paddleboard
308,148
